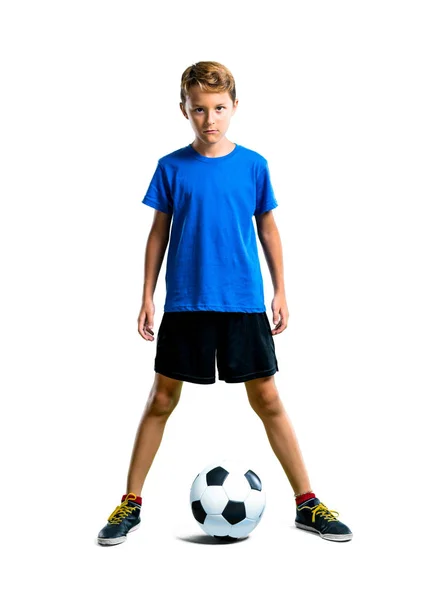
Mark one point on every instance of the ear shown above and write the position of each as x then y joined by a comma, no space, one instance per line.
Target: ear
235,106
183,110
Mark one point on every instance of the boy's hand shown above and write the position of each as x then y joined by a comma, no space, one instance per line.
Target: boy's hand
146,320
279,313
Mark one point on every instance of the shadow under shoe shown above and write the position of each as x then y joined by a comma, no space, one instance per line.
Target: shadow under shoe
123,520
314,516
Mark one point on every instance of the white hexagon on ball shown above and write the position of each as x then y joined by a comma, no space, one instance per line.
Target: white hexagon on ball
255,503
198,487
214,500
236,486
243,528
216,525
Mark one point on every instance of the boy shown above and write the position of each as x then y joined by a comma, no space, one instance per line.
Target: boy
214,301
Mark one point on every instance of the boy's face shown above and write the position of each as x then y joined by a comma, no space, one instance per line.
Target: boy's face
208,111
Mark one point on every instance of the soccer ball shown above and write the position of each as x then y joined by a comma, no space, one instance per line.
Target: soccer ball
227,500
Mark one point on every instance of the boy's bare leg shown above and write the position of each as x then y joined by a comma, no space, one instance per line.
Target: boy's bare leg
162,400
265,401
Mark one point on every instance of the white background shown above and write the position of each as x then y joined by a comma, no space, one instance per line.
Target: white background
333,95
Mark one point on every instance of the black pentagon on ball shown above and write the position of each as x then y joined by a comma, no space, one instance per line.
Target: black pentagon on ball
234,512
198,511
253,480
216,476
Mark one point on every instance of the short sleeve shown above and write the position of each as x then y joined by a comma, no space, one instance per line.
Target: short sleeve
158,194
265,197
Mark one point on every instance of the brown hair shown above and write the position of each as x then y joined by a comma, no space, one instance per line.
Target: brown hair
210,76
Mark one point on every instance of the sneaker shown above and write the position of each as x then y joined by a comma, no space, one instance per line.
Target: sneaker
314,516
122,521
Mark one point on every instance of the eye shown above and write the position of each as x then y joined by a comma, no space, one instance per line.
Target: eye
199,108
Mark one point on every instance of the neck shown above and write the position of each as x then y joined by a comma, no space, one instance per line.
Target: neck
215,150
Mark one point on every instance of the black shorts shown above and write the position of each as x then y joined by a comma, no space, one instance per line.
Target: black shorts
188,342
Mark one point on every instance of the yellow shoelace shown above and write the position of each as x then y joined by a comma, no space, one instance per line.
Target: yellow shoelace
122,511
322,511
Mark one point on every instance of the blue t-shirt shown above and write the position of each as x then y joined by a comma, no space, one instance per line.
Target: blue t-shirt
213,261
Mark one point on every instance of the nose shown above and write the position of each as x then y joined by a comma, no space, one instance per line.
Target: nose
210,119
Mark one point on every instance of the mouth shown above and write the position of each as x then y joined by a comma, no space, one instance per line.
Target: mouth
211,131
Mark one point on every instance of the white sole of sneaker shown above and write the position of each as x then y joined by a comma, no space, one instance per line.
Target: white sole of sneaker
119,540
334,537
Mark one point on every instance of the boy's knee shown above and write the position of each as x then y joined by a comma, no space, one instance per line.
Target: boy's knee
267,405
164,395
264,397
162,404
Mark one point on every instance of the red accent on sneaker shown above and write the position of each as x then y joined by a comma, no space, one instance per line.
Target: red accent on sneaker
137,499
304,497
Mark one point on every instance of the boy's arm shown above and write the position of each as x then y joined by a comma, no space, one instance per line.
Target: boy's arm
271,243
155,249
